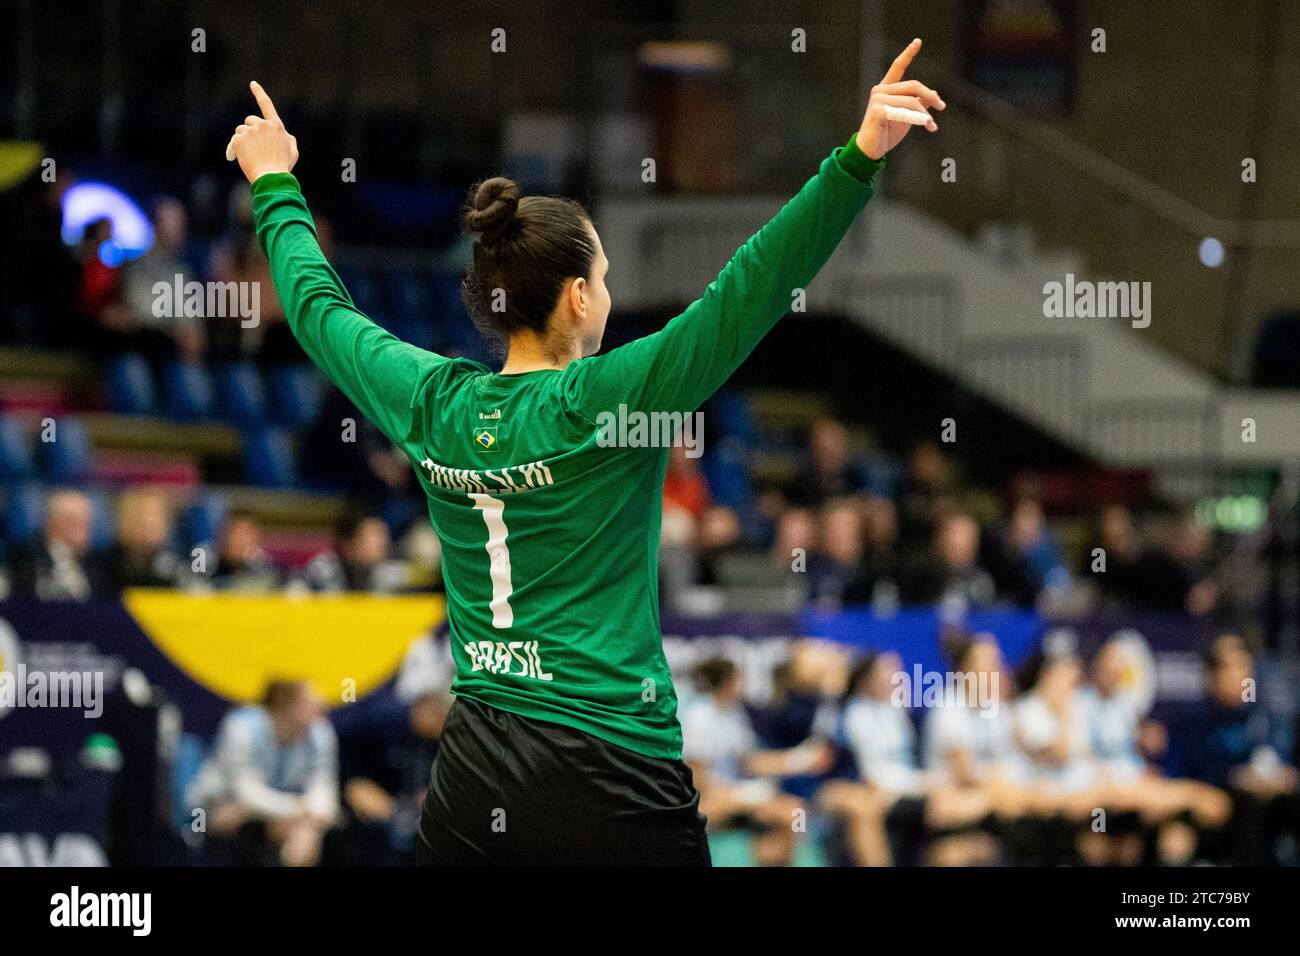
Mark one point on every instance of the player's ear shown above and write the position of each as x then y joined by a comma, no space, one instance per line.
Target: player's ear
578,297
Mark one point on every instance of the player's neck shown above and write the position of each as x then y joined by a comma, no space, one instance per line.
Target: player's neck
530,352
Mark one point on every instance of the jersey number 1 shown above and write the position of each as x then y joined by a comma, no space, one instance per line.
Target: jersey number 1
493,510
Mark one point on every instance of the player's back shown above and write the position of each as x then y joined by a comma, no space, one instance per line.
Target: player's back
550,534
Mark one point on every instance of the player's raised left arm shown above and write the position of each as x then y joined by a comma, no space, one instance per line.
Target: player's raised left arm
679,367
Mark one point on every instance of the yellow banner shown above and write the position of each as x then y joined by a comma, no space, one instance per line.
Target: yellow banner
233,643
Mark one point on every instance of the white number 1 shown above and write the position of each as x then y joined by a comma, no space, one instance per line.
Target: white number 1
493,510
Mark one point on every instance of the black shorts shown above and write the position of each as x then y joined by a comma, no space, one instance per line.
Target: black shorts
510,790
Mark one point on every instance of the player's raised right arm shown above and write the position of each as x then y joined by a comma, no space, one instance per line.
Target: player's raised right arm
381,374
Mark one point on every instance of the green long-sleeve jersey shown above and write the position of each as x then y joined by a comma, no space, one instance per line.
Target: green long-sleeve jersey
550,533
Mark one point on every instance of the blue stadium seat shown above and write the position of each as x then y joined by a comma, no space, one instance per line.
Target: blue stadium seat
189,390
131,388
241,397
201,522
269,458
726,469
730,410
297,392
68,458
24,512
16,460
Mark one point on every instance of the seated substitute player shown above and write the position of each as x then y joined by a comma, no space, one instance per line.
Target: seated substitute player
270,786
563,745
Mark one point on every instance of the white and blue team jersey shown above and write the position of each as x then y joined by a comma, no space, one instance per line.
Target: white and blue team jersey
1113,731
986,734
882,739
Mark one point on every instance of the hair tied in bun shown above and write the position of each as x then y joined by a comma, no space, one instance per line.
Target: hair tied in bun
492,208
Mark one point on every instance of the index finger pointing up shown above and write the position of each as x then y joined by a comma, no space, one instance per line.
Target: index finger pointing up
901,62
263,101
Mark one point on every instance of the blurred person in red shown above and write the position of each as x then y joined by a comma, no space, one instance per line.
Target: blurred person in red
99,290
694,529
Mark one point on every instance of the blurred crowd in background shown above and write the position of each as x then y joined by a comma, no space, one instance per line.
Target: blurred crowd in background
1053,763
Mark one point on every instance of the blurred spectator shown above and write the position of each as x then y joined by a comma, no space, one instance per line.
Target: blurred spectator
422,552
99,290
829,471
954,576
694,530
40,272
1125,748
881,558
141,557
1119,579
806,689
386,747
968,743
241,563
1025,556
360,560
837,573
239,258
1232,743
795,540
370,469
269,789
685,487
1052,725
162,336
61,566
1177,575
925,484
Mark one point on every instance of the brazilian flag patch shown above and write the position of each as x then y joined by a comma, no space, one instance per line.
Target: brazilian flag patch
486,438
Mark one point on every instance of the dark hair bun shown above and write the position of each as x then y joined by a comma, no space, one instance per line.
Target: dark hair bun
491,208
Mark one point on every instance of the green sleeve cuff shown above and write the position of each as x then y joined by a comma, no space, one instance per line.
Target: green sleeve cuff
851,159
273,181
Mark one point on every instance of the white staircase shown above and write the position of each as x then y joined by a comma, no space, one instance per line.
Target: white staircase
1094,384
